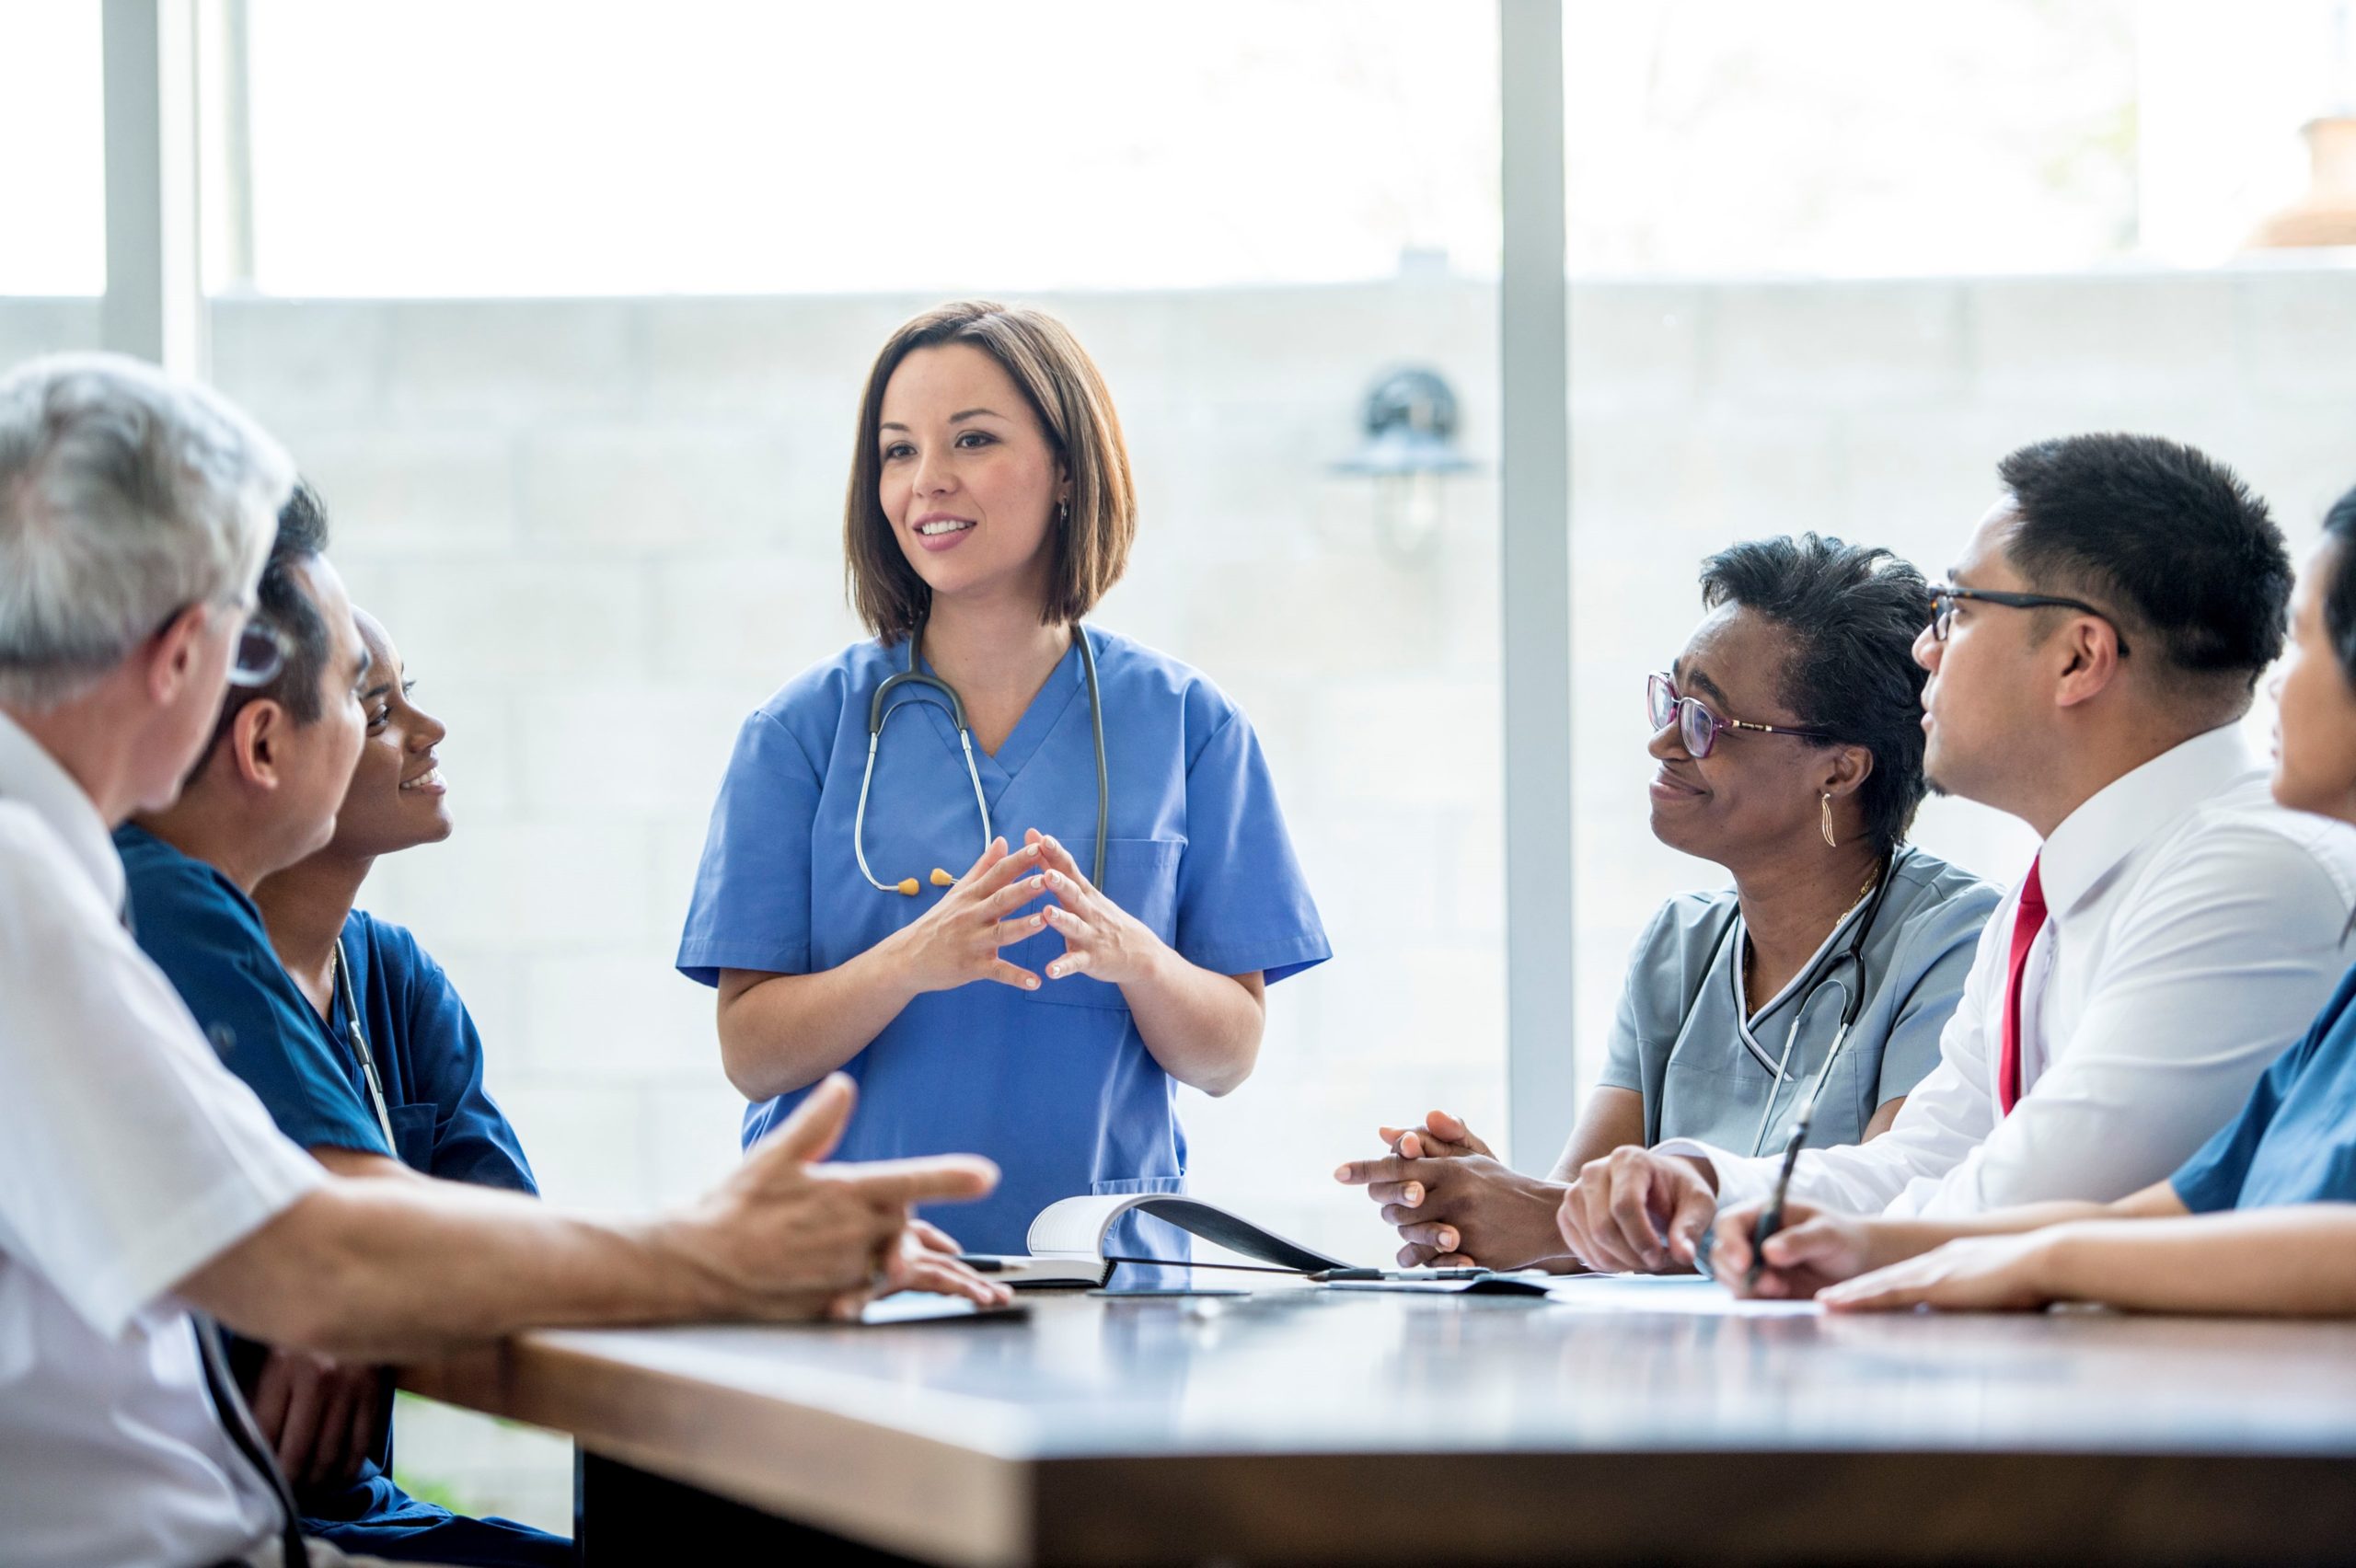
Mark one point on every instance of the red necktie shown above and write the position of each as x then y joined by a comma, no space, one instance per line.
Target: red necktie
2026,923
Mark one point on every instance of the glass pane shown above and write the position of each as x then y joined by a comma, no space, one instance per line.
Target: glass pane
51,100
1832,261
604,529
746,148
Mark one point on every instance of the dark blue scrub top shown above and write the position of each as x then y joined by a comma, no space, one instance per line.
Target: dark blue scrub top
208,938
2294,1141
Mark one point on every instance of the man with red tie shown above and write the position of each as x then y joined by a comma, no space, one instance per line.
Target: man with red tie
2092,656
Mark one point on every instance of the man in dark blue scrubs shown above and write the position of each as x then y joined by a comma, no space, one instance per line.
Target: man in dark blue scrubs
367,1059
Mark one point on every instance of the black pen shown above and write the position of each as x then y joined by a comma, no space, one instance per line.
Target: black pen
1771,1219
1332,1277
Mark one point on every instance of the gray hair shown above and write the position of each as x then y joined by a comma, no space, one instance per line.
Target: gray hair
126,496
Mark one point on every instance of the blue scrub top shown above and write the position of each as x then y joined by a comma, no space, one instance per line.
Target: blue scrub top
208,938
1705,1056
1056,1084
2294,1141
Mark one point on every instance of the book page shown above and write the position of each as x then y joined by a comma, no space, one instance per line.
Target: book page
1076,1228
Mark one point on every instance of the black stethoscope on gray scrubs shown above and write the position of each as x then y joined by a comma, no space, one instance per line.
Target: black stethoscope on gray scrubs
1852,991
878,715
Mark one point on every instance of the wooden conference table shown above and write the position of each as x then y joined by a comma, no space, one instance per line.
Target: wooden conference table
1651,1423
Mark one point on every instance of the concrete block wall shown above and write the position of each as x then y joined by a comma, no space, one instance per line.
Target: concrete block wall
1879,411
603,530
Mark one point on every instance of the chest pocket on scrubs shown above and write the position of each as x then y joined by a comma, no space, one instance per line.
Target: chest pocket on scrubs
413,1134
1141,876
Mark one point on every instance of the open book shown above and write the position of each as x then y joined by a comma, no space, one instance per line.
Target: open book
1067,1241
1067,1245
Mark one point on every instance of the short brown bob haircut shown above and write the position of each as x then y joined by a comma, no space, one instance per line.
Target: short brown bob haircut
1067,396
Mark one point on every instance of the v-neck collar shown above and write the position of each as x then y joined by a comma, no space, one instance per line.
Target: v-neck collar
999,769
1743,1017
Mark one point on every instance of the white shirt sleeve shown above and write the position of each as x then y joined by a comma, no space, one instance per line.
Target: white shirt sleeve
129,1155
2213,973
1946,1116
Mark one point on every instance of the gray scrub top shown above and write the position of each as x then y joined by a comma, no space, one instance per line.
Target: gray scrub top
1682,1041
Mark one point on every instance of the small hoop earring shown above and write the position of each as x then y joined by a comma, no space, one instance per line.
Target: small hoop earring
1829,842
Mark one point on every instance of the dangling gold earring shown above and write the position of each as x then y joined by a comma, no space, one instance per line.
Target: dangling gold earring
1829,842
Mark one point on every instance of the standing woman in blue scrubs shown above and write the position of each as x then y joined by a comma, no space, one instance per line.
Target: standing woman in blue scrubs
991,990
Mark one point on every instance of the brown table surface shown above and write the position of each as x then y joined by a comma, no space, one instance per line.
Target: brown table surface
1305,1425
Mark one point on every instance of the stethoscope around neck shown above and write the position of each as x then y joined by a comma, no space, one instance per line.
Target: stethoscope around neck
879,714
1853,993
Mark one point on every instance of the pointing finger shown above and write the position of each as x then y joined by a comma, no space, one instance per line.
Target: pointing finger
947,1177
1358,1173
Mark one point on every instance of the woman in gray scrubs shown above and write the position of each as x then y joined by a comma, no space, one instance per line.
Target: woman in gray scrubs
1788,748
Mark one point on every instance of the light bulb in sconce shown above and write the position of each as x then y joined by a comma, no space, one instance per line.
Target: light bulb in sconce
1408,449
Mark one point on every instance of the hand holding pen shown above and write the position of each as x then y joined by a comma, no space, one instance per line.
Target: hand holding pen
1807,1251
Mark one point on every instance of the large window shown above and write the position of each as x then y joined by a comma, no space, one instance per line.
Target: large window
606,524
52,200
731,146
1832,259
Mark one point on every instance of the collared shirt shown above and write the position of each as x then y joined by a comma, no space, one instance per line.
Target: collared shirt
128,1159
2194,931
1709,1065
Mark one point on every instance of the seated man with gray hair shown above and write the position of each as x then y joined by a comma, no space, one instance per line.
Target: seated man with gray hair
144,1195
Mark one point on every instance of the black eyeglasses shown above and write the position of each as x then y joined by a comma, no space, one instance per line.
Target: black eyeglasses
1697,727
1943,596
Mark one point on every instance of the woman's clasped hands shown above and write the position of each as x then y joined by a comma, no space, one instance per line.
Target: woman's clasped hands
959,938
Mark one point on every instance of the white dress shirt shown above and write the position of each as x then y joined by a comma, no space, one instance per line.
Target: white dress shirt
129,1157
2193,931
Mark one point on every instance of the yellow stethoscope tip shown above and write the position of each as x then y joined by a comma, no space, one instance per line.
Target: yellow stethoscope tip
907,886
940,878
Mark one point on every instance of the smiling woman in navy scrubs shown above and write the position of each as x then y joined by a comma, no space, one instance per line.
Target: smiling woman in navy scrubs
1023,1010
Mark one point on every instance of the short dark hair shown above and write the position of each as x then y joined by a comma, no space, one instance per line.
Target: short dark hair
286,604
2165,538
1852,612
2340,594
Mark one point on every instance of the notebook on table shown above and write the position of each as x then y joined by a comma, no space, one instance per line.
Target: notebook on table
1068,1251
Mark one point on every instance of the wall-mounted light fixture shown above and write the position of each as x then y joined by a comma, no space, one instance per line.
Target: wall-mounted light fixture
1408,450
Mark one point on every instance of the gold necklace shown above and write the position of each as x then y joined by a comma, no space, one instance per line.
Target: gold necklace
1751,949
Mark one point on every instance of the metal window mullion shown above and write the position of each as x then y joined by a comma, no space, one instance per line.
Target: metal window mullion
1534,554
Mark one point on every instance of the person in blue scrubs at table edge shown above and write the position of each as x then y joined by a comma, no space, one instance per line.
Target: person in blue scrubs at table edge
931,915
2261,1220
242,893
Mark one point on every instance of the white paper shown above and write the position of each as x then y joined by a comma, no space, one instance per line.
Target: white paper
1683,1295
1075,1227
